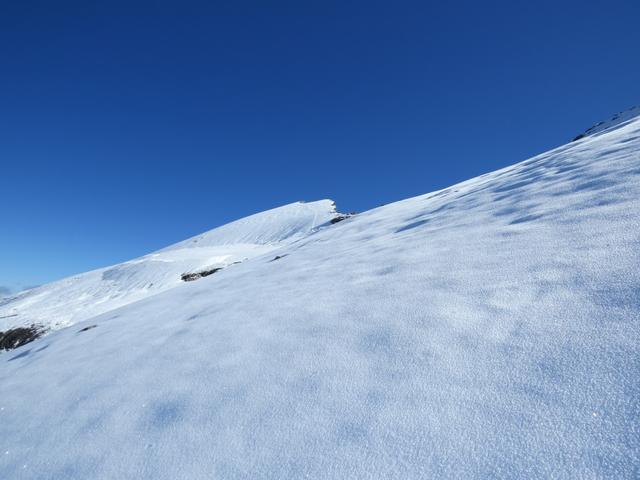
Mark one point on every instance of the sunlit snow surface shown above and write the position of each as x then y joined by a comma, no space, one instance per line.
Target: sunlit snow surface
77,298
489,330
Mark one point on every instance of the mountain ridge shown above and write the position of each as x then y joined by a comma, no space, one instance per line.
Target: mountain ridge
76,298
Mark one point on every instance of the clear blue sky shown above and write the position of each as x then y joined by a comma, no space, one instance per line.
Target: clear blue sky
125,127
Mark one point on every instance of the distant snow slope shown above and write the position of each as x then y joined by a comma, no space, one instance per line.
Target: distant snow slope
488,330
613,122
73,299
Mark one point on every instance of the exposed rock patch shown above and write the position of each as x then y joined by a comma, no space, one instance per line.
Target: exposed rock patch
16,337
341,217
190,277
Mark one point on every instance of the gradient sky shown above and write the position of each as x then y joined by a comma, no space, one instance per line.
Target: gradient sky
125,127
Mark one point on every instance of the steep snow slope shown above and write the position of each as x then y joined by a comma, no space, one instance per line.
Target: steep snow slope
488,330
73,299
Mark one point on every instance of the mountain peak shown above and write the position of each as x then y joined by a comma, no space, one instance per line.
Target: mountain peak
289,221
70,300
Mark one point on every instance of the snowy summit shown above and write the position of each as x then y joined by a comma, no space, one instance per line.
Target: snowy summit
487,330
68,301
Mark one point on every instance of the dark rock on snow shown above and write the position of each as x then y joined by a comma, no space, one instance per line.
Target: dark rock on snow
88,327
16,337
190,277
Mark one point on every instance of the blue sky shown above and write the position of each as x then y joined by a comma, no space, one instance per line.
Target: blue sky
125,127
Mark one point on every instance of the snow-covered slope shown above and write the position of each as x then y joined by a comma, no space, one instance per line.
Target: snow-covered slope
613,122
73,299
488,330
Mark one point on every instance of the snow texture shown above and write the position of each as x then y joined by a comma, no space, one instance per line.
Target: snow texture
488,330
